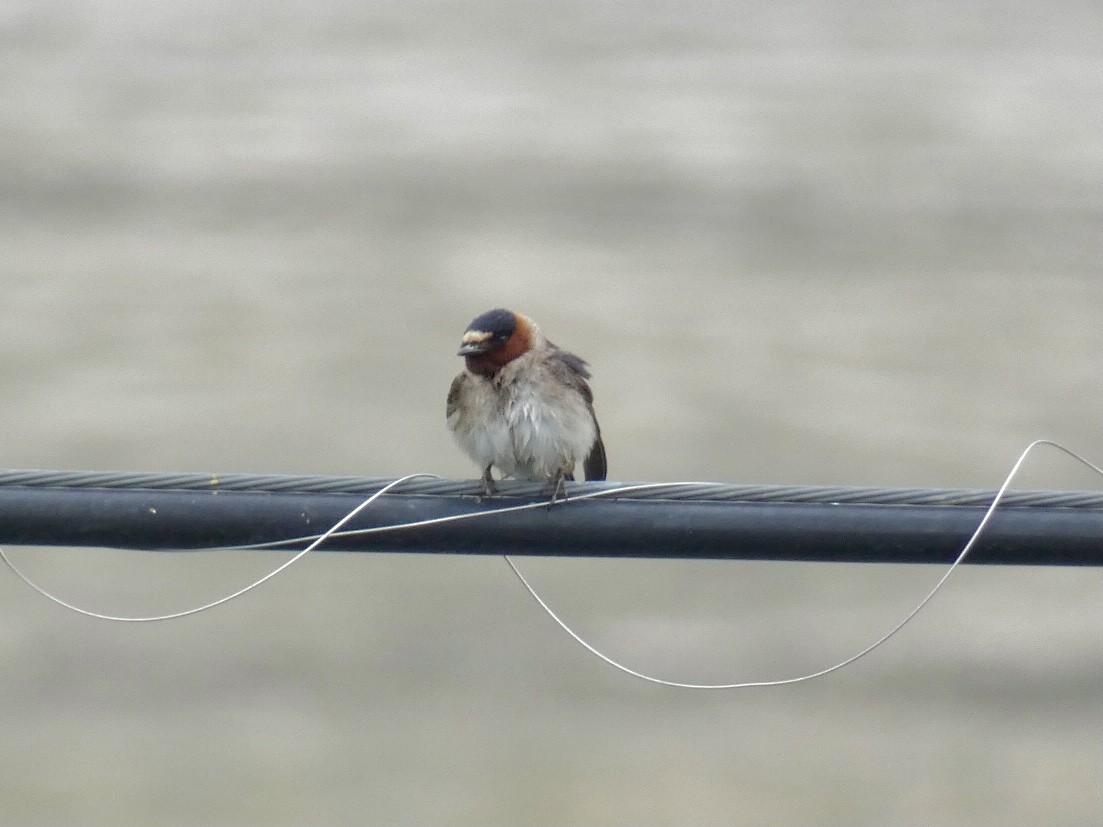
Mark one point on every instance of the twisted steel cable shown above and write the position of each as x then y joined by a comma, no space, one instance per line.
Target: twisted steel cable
691,491
657,520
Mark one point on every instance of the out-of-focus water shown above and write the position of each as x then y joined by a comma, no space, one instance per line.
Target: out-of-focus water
798,242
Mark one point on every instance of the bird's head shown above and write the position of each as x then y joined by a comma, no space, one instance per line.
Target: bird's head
495,339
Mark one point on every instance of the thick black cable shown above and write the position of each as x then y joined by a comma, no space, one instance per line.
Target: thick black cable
693,520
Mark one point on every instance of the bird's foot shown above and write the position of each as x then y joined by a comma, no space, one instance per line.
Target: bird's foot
558,485
489,486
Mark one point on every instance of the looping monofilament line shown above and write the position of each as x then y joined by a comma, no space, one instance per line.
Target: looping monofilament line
315,541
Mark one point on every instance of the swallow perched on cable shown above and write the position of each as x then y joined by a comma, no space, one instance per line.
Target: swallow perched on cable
523,405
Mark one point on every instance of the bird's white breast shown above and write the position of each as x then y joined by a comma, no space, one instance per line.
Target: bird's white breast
479,423
524,421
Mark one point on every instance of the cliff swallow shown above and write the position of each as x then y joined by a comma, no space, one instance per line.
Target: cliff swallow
523,405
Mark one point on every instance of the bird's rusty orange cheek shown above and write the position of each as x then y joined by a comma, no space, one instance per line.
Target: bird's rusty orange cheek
516,345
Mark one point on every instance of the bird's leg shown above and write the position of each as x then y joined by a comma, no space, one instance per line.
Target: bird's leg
488,482
558,484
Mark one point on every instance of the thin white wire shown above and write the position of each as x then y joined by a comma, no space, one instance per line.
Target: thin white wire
197,609
474,515
801,678
315,541
334,531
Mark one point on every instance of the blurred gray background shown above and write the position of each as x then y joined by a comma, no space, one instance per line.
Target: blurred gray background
798,242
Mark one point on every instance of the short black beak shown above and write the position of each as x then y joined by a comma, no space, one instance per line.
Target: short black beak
472,349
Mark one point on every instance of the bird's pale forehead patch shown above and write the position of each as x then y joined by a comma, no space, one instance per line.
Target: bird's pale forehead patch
473,337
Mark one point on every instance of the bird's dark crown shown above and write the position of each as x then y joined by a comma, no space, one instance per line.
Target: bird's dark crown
499,323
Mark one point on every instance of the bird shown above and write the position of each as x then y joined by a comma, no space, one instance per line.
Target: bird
522,404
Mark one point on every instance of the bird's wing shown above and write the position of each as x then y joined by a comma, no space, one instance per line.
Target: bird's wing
595,465
577,364
572,370
454,396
